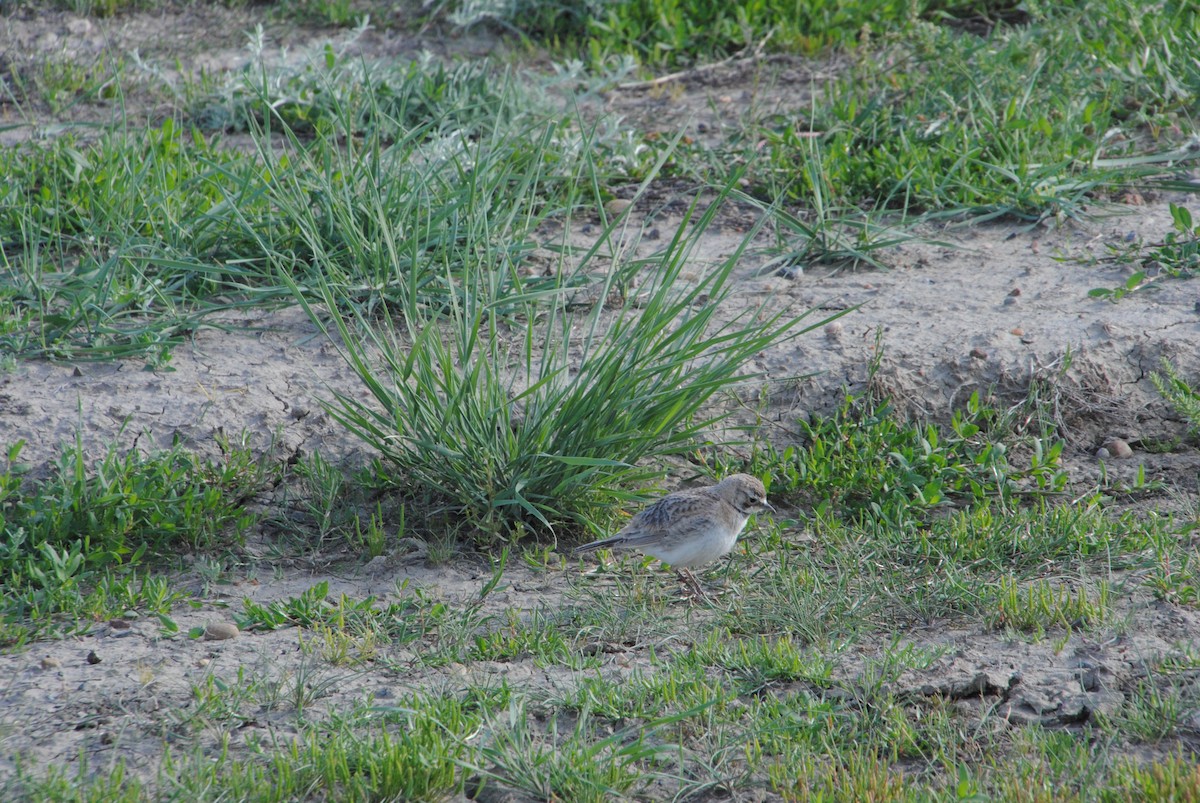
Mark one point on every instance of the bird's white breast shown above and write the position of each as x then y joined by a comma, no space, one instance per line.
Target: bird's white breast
703,546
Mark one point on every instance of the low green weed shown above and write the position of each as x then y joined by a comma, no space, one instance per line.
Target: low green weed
70,541
410,619
864,459
1181,394
1176,257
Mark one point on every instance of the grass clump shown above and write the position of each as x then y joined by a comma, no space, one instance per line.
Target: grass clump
488,392
400,622
542,424
122,246
1041,605
570,762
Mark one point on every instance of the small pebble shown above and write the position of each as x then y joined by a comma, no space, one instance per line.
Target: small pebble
790,272
220,631
979,354
118,624
1118,448
616,206
1010,300
1016,330
1016,291
833,330
92,658
1102,453
50,663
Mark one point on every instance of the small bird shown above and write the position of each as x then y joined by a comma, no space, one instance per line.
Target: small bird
691,527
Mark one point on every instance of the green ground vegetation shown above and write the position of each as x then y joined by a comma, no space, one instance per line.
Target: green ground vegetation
403,207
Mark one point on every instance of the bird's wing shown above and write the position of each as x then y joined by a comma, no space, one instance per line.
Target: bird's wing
660,522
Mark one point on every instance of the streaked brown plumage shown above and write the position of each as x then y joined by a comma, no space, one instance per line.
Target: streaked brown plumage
691,527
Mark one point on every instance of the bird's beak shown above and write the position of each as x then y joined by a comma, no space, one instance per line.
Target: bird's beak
767,505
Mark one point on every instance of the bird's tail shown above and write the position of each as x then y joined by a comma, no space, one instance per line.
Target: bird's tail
601,544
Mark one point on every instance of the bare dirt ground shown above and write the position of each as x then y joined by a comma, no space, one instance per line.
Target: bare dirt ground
996,311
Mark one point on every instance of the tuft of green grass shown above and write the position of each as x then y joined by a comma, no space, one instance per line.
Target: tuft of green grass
337,96
539,426
828,231
488,390
1174,574
1041,605
572,762
411,750
118,248
1152,712
1176,777
60,82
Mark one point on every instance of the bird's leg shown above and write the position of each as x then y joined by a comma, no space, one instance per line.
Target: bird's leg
695,591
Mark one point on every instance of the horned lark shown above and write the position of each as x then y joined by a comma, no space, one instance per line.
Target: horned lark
691,527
